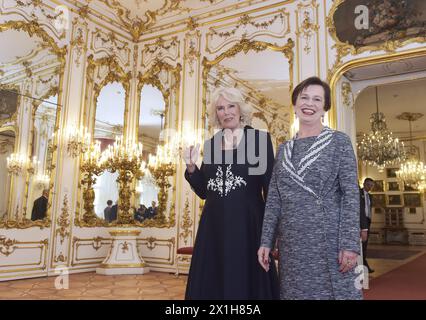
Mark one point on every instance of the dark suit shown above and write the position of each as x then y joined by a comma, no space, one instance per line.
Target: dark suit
365,222
39,209
113,213
107,214
150,213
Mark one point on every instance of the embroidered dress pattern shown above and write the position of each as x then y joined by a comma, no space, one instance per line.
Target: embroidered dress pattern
231,181
313,153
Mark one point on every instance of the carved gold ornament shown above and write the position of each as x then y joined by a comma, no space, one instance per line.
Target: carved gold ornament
63,220
186,223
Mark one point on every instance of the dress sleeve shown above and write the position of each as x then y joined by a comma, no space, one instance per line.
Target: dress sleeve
349,228
266,178
197,181
273,206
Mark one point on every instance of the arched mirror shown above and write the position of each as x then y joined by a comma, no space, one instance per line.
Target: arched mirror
264,78
109,124
31,66
152,120
41,150
7,147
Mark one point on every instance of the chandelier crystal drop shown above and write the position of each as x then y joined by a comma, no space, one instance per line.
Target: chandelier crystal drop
379,148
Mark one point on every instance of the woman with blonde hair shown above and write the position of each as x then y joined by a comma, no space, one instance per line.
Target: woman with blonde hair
233,179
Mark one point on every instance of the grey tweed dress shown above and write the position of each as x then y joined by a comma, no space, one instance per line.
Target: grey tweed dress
312,210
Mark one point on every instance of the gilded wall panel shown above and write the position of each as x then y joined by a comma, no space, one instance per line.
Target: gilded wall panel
22,256
271,27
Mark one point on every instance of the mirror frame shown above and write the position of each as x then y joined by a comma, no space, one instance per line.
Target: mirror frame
51,92
34,28
115,74
6,218
151,77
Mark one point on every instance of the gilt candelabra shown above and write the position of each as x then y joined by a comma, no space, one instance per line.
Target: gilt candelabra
162,167
91,167
126,158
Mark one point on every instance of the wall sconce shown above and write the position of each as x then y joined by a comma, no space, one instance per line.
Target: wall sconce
15,163
78,141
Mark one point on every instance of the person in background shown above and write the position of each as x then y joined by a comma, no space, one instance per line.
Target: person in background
40,206
365,217
107,211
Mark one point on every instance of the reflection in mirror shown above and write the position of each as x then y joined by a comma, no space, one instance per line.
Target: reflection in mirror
41,152
7,145
266,86
29,64
151,122
109,123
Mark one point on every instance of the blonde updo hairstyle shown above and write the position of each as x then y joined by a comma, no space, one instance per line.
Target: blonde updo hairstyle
232,95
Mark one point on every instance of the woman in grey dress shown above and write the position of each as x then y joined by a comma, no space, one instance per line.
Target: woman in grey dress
312,206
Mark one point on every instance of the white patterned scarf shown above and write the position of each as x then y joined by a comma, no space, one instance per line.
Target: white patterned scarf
321,141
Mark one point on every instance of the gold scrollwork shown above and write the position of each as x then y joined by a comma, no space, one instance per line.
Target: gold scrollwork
33,28
347,93
63,221
306,30
245,20
186,223
192,54
7,246
79,44
151,243
136,26
97,243
60,258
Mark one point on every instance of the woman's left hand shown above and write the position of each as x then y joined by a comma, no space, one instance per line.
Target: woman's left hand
347,260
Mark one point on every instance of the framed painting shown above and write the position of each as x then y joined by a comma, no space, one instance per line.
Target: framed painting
378,200
394,200
363,23
409,187
412,200
393,186
391,172
378,186
8,104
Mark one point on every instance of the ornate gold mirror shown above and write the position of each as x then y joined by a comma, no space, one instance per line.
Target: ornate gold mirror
263,72
31,71
7,148
102,202
152,116
154,189
41,147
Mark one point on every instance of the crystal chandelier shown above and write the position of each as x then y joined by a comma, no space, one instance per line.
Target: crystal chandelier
413,171
379,148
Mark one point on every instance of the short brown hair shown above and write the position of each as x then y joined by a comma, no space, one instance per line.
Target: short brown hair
309,82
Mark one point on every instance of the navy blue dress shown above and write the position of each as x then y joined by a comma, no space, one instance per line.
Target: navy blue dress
224,263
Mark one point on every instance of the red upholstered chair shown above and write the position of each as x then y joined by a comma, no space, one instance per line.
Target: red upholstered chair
180,256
